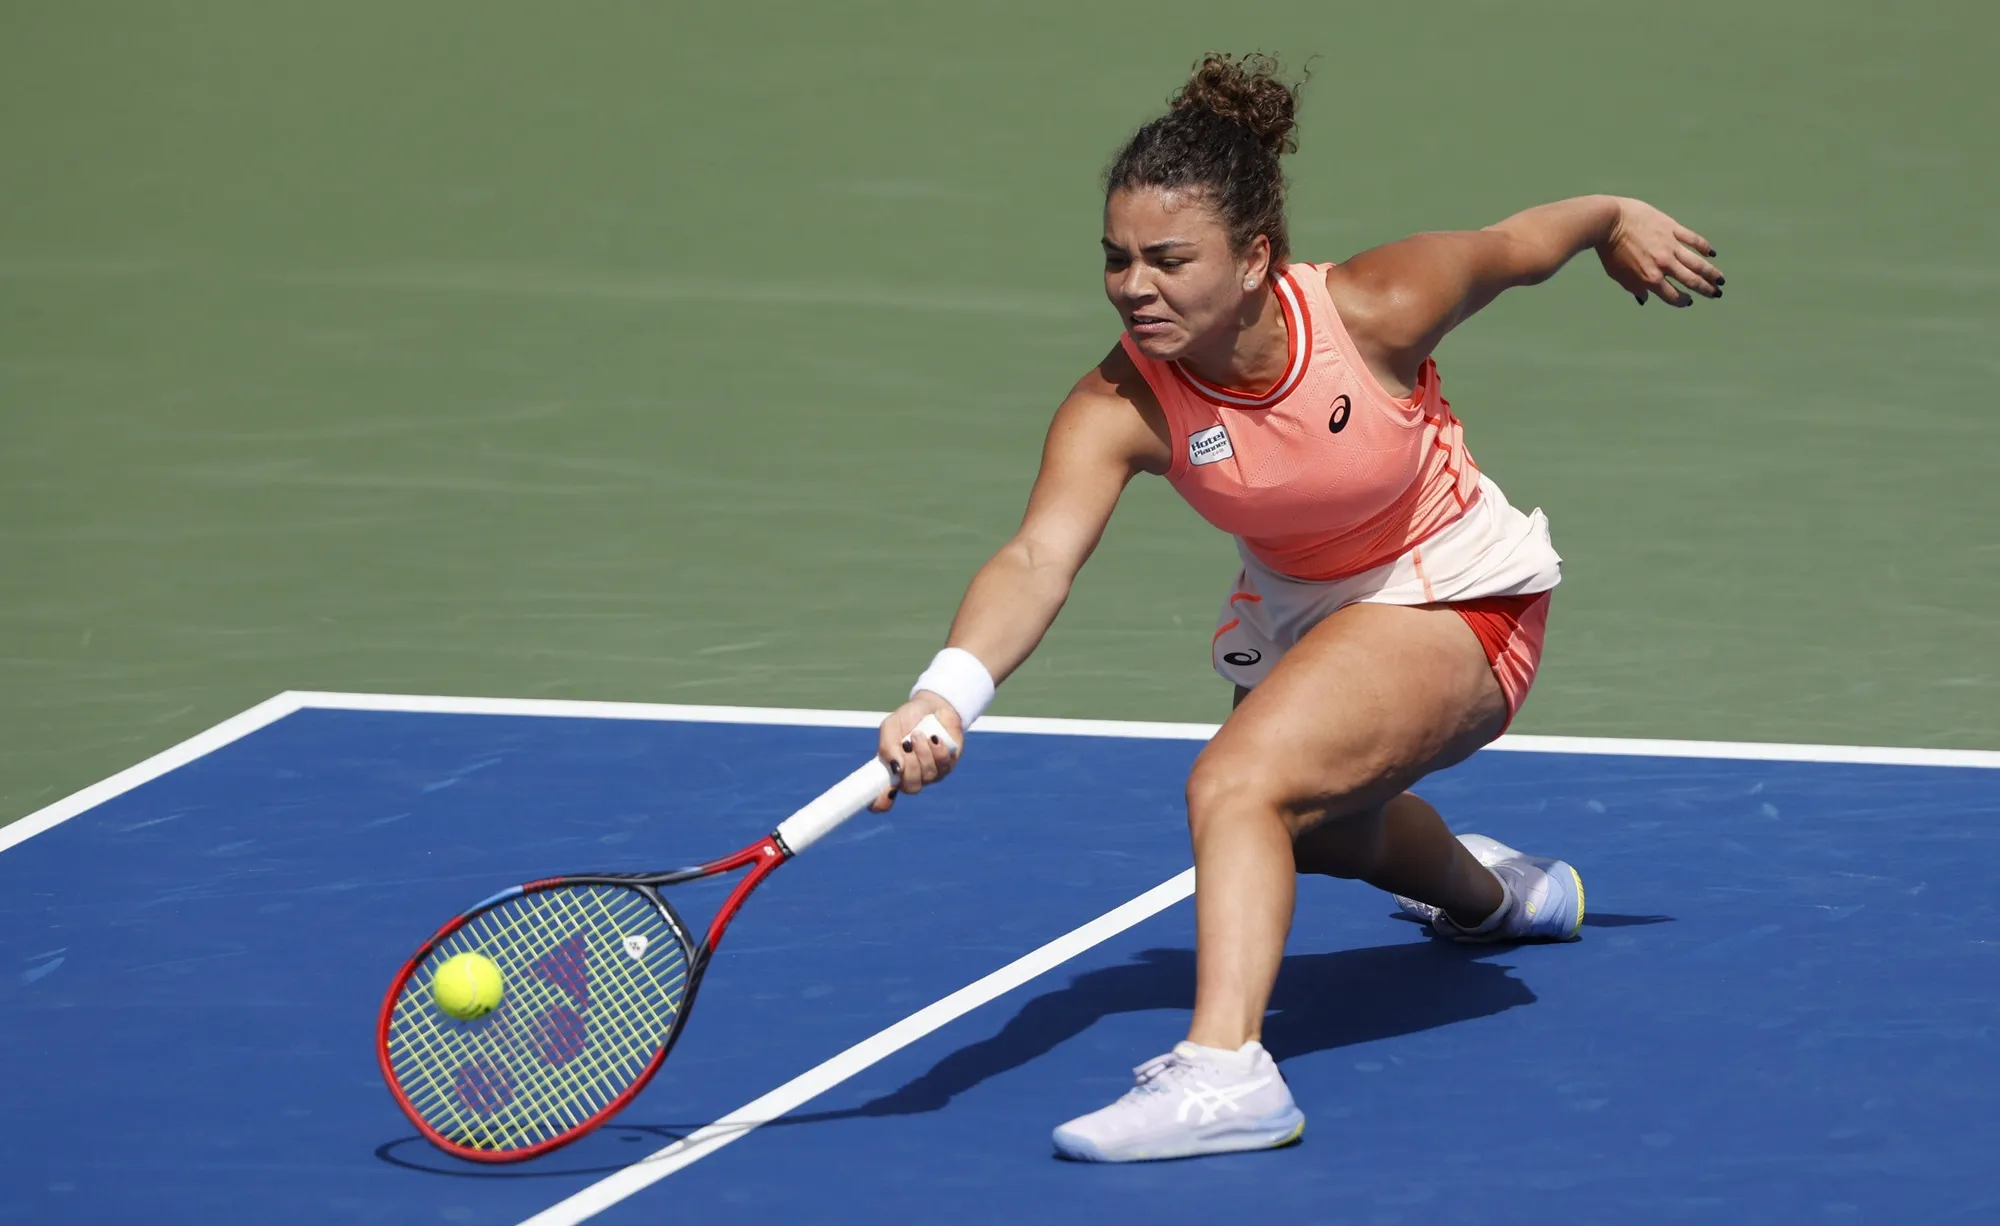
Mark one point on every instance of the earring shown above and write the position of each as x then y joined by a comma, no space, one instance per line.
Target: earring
1250,284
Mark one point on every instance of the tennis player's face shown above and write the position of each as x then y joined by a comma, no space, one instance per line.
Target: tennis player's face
1169,270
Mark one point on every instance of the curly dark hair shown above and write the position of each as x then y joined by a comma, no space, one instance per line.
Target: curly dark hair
1222,135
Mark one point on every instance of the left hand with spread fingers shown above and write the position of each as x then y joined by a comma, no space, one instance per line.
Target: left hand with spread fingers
1651,253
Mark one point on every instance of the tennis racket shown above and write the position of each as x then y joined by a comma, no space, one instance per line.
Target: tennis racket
598,974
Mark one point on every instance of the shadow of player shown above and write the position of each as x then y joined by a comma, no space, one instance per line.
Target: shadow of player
1322,1001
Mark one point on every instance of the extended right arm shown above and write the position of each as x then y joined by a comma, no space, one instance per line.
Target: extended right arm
1106,432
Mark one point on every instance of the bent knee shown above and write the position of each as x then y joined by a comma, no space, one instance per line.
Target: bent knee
1227,780
1236,786
1226,783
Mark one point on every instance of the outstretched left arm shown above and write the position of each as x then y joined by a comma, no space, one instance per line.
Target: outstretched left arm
1398,301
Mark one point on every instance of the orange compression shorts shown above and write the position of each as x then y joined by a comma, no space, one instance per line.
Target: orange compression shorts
1510,630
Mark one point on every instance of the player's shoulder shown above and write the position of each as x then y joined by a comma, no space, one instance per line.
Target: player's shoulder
1382,294
1113,399
1365,283
1115,380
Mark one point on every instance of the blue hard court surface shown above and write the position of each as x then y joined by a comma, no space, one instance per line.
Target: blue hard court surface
1783,1009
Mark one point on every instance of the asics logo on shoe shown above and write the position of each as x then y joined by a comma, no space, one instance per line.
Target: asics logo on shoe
1210,1101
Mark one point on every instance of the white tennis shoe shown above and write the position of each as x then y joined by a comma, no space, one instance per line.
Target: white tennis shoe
1193,1100
1544,898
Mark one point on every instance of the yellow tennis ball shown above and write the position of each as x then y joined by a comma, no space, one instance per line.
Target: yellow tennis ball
467,986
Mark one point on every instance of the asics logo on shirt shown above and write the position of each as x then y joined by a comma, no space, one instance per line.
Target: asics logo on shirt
1209,1100
1343,408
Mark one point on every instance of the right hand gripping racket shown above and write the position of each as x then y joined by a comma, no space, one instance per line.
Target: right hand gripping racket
598,975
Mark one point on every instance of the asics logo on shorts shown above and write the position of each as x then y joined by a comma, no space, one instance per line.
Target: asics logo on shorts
1205,1098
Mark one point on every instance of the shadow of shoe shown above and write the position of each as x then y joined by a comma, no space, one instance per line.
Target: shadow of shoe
1591,919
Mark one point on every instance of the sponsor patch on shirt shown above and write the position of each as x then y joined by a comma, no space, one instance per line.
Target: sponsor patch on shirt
1208,446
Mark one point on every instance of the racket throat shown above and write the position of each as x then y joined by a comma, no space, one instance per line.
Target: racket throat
763,858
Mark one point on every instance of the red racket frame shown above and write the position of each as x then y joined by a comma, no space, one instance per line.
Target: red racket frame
764,856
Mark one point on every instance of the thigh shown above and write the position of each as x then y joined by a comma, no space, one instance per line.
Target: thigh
1368,702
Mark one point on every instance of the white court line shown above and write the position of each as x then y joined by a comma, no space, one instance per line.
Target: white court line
1750,751
277,707
199,745
818,1080
1871,755
796,717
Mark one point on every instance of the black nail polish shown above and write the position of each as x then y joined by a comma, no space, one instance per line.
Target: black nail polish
906,745
897,767
935,741
1721,281
1718,291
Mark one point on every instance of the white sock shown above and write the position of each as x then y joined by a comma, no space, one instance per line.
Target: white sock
1239,1060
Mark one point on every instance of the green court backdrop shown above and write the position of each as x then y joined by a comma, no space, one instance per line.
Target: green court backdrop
699,353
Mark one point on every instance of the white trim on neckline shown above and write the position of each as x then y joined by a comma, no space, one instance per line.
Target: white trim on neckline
1298,336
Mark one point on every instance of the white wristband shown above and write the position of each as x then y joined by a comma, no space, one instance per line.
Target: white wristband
957,676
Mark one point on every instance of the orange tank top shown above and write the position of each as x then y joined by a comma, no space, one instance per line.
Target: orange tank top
1325,475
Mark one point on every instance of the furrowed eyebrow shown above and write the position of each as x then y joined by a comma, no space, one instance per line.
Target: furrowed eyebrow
1160,248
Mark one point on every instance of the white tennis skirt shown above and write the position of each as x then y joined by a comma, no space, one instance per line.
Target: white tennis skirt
1491,550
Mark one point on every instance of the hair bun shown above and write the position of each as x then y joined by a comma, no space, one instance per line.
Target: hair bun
1249,90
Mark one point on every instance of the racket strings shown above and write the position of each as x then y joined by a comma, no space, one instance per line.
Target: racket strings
594,979
541,1069
557,1034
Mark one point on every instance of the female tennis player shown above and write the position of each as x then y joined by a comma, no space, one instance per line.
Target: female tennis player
1388,617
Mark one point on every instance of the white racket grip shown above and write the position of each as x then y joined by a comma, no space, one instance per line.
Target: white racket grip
825,812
